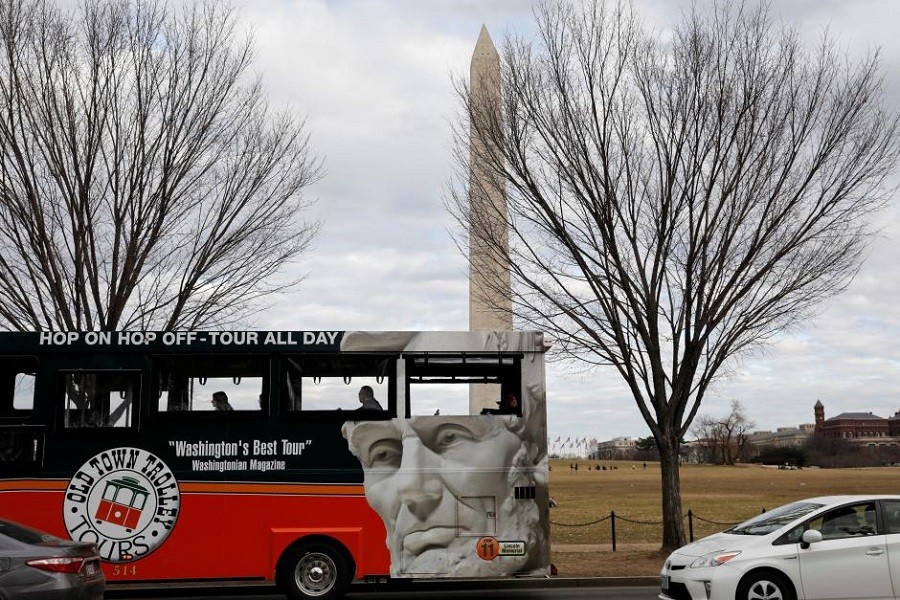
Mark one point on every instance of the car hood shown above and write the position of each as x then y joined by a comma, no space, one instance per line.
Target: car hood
715,543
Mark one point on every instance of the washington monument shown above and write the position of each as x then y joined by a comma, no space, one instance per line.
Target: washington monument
490,306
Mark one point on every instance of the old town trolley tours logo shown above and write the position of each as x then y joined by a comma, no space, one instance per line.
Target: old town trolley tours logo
124,500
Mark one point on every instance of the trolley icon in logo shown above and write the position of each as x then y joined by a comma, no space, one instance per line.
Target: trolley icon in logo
122,502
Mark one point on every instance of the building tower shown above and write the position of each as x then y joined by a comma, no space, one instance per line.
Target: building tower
819,410
490,303
894,425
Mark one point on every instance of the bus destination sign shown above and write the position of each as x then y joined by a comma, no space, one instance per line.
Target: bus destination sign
306,341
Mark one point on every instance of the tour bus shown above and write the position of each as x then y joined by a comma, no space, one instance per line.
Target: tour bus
305,458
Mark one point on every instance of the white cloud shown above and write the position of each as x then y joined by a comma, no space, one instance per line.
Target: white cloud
374,80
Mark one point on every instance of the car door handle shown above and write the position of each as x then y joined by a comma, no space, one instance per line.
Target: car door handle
874,552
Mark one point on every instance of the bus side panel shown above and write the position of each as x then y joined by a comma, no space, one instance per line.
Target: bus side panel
35,503
221,535
230,535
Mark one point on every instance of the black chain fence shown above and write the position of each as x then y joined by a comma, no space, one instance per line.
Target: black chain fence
606,518
612,517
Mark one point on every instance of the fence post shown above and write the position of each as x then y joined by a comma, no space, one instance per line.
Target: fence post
612,520
691,524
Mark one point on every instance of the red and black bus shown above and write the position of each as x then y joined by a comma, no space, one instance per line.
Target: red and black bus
304,458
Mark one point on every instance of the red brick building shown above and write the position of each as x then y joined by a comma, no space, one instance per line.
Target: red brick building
856,425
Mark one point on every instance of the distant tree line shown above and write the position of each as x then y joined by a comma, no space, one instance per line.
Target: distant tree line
725,440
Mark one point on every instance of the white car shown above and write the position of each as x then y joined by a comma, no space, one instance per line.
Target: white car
832,547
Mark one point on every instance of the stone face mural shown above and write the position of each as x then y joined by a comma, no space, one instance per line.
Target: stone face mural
444,485
462,495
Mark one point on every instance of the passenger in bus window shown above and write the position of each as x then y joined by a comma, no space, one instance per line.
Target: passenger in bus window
439,483
509,404
367,399
220,401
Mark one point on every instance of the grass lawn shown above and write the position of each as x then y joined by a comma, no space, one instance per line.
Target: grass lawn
717,496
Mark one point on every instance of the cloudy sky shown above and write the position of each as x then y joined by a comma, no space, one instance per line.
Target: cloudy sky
374,79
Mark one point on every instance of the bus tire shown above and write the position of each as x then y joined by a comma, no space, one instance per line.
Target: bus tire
315,569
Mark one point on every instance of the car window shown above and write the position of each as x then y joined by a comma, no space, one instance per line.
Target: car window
846,521
774,519
792,536
891,516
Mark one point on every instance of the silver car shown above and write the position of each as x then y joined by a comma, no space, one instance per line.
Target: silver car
826,548
38,566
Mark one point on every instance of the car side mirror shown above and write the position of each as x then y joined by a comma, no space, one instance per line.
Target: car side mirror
810,536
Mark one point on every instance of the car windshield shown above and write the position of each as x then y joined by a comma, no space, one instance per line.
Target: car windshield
26,535
774,519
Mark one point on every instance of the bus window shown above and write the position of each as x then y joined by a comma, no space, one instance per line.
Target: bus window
100,398
333,383
463,385
23,393
442,399
20,445
17,385
188,383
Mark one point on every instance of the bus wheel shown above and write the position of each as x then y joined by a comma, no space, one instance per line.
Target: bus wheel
315,570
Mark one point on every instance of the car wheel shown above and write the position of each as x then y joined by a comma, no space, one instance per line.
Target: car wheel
316,570
765,585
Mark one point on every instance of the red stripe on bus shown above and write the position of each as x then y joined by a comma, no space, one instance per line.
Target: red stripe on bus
215,487
205,487
33,485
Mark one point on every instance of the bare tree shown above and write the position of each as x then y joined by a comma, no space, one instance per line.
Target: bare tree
725,437
144,182
675,200
706,429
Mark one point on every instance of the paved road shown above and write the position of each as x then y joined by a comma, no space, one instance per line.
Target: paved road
556,592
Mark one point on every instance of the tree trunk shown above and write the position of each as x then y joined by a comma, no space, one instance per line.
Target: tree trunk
673,525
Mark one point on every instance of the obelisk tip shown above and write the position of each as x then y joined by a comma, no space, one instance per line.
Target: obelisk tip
485,45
